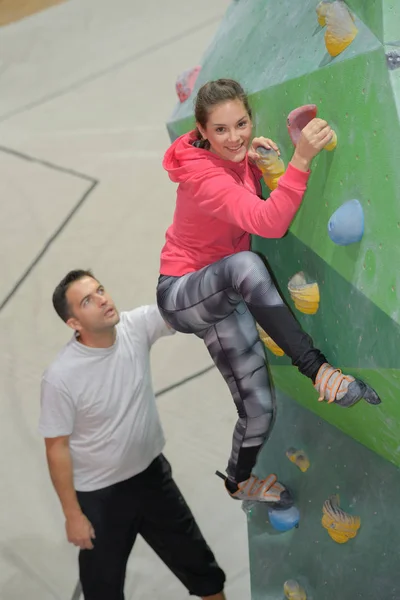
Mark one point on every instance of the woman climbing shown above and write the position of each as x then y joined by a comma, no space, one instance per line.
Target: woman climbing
212,285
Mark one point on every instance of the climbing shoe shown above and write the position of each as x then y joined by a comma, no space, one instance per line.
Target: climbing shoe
344,390
259,490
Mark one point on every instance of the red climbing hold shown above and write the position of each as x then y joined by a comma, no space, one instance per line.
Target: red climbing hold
185,83
298,119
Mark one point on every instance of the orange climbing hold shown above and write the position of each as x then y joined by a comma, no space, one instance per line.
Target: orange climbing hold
304,295
332,144
269,342
299,458
271,166
322,11
293,590
340,525
340,26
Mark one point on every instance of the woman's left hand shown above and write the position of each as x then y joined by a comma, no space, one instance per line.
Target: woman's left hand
261,141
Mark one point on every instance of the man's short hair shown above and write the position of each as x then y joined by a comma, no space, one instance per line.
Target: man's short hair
60,301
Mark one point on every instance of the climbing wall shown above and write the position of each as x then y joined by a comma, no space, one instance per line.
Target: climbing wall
357,324
368,487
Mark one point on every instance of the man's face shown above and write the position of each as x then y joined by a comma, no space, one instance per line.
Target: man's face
92,309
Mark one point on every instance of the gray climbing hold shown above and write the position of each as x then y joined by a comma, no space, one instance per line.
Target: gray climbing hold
393,60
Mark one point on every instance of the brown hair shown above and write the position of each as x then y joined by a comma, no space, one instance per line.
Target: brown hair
213,93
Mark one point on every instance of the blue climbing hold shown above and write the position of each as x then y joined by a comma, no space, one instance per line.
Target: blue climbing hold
283,520
346,225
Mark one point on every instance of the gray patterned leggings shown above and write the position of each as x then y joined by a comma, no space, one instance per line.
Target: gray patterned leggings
220,304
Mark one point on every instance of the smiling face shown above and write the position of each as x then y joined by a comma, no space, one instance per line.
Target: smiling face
92,309
228,130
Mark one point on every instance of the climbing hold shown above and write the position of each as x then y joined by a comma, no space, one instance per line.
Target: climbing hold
281,519
340,27
293,590
332,144
393,60
299,118
271,166
299,458
340,525
304,295
185,83
284,519
269,342
322,10
346,225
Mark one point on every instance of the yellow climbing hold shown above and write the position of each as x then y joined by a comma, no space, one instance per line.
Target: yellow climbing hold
299,458
293,590
340,26
271,166
304,295
332,144
322,10
269,342
340,525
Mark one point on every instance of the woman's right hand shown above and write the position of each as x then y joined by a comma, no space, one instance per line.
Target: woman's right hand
313,138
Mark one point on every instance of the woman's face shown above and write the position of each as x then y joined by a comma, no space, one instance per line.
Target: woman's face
228,130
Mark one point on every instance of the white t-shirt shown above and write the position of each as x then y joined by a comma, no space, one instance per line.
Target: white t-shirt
103,399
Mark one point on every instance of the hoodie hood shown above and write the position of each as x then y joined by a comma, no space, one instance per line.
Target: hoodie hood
185,162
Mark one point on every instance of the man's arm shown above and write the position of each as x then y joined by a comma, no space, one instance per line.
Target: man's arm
79,529
147,321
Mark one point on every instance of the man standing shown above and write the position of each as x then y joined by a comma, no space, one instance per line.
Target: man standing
104,445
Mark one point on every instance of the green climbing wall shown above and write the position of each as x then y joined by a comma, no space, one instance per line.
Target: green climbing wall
364,568
277,52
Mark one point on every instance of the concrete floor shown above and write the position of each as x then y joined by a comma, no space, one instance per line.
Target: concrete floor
86,89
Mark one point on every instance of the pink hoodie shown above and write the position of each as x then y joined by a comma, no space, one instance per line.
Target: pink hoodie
218,206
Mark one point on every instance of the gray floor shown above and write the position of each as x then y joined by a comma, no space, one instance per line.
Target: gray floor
86,89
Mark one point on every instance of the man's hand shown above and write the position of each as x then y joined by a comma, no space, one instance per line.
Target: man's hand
261,141
80,531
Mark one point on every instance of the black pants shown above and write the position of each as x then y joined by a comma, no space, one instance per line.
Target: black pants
220,304
149,504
